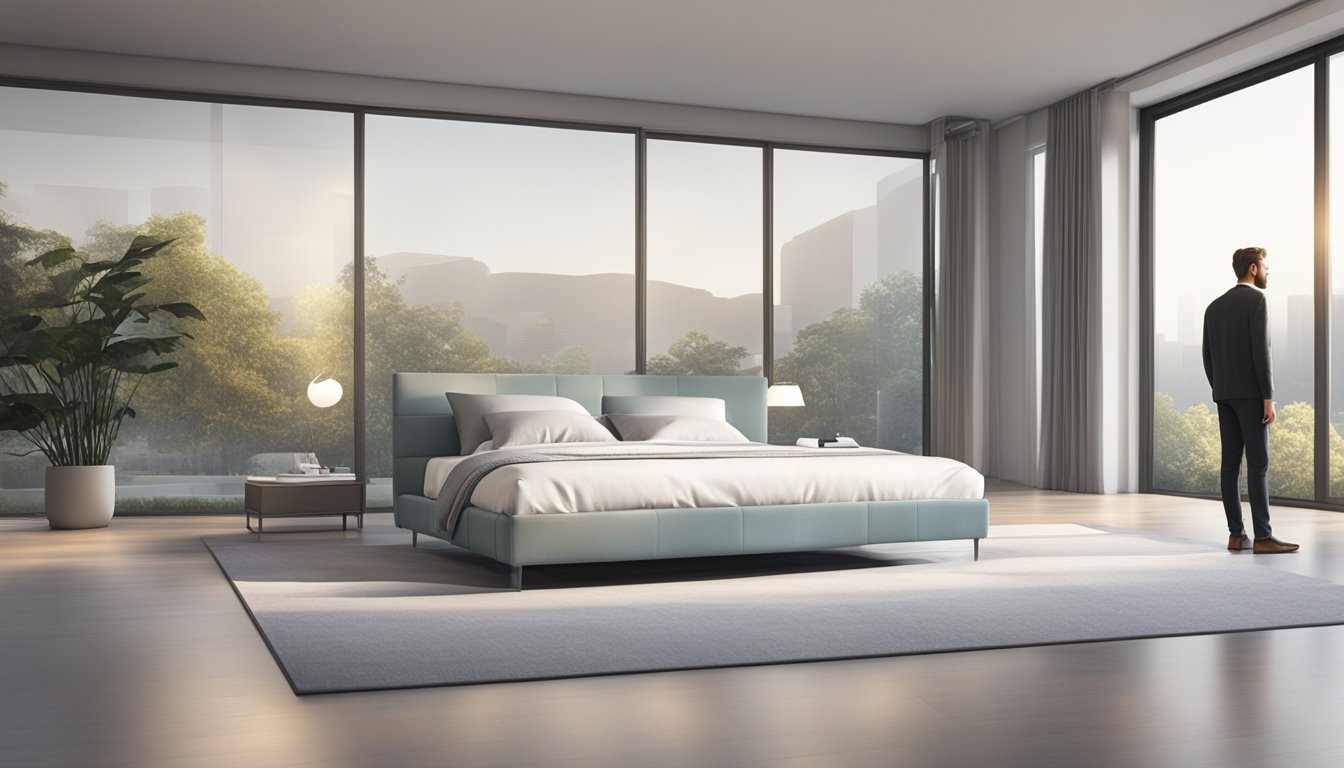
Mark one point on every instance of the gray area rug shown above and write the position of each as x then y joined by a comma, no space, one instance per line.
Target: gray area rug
353,614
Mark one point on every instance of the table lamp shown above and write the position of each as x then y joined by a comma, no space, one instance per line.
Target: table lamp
784,395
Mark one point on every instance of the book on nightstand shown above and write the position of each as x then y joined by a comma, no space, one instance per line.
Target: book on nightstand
828,442
294,477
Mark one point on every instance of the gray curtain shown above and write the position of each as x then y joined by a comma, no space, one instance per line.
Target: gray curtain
960,152
1071,393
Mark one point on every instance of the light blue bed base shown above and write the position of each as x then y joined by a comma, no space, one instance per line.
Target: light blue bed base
423,428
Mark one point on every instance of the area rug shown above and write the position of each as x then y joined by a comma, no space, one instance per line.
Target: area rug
363,613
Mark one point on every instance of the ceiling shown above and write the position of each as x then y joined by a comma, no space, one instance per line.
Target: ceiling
897,61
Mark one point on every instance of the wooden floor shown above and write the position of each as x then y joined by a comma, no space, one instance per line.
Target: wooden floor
126,647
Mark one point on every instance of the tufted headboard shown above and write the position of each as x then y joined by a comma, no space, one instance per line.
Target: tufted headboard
423,427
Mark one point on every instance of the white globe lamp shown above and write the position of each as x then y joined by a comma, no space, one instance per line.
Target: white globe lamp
324,392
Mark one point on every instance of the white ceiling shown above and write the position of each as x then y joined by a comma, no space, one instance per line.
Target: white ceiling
899,61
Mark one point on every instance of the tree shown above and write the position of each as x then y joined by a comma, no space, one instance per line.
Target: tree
1186,447
1187,450
240,385
698,354
401,337
18,244
861,370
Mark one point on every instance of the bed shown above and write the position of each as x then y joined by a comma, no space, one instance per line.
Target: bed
426,441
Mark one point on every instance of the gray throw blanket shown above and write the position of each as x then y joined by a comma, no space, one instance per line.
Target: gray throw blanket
455,494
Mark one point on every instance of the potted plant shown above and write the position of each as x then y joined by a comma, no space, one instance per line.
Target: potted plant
71,359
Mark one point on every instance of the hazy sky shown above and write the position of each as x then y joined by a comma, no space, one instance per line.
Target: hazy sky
520,198
1229,173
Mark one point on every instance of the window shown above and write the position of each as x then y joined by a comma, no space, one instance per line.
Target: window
488,246
493,247
1037,171
262,202
849,296
1231,172
705,275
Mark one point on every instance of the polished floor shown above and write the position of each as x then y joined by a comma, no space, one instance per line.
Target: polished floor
126,647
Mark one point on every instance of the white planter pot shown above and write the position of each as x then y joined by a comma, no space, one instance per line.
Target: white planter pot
81,497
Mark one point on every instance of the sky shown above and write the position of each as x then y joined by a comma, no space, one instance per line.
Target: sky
520,198
1230,173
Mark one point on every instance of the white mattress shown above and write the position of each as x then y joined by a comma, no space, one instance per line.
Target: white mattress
596,486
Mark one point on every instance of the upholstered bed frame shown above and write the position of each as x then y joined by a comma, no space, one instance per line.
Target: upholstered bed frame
423,428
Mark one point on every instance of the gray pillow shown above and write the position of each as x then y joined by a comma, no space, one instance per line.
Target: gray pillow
653,426
469,412
698,407
533,427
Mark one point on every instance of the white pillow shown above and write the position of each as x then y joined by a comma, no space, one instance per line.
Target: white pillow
469,412
643,426
668,405
533,427
488,445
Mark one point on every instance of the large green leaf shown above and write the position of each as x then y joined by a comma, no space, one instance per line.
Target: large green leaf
20,323
72,350
94,267
55,257
22,411
181,309
144,369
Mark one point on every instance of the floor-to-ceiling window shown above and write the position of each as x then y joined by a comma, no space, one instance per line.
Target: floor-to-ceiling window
1232,172
849,296
1036,161
1334,451
1241,163
261,202
704,246
494,248
488,245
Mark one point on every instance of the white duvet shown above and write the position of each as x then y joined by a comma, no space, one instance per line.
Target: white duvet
597,486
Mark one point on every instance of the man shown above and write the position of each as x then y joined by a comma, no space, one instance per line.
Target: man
1236,361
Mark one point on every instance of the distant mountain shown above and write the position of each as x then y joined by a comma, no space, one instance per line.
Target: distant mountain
525,315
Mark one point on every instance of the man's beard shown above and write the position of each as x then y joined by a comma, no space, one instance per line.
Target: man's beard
1261,280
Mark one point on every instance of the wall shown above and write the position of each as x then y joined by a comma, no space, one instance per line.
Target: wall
248,81
1012,439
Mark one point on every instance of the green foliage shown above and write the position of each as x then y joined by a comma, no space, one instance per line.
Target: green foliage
72,355
403,337
861,370
240,387
1186,447
1187,450
17,244
698,354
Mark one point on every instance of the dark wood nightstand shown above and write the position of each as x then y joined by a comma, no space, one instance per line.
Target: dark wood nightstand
303,499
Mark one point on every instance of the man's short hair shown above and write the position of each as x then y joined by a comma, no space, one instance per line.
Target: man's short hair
1244,258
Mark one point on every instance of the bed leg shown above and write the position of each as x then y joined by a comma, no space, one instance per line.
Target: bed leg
414,536
516,578
977,549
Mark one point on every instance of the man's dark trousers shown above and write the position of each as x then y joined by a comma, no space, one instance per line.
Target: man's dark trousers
1241,425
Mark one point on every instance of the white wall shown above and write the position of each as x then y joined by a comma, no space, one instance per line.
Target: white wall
1011,439
236,80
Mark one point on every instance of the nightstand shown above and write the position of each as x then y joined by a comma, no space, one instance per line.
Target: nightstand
303,499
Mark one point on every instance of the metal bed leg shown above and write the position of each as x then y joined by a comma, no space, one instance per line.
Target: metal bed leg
516,578
977,549
414,536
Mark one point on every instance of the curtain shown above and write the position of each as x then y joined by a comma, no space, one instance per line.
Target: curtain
1071,344
960,153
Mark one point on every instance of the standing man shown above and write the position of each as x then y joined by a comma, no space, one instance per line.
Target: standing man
1236,360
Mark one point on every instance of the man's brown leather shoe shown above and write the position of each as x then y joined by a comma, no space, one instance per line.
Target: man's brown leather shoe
1238,543
1272,546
